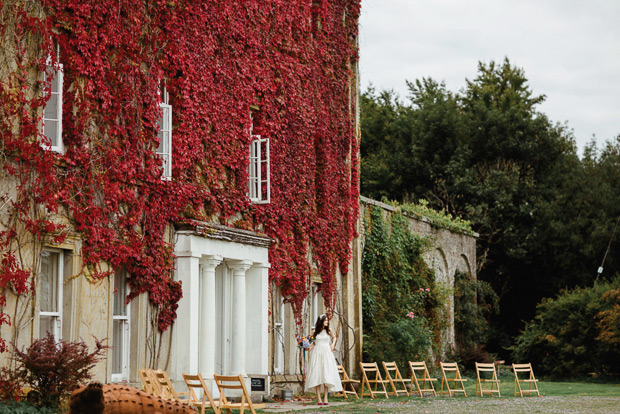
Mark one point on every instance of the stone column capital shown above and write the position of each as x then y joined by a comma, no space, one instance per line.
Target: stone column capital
211,262
239,265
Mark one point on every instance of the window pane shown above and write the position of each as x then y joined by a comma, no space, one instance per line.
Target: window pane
50,130
49,281
46,324
55,83
160,135
117,343
166,118
120,294
51,107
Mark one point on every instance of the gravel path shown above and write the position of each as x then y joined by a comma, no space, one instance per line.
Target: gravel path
544,405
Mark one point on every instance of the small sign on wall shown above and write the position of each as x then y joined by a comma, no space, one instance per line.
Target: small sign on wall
257,384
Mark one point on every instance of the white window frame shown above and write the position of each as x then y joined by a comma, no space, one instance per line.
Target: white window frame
279,332
164,150
59,147
57,315
125,321
315,305
259,186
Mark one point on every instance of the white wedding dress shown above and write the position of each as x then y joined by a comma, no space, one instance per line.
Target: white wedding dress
322,367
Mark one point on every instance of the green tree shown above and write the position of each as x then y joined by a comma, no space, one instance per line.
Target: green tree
489,155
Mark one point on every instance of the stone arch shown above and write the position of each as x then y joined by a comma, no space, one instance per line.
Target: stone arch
463,264
439,263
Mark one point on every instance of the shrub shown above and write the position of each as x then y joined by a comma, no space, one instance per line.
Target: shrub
475,302
408,339
569,336
54,369
10,385
24,407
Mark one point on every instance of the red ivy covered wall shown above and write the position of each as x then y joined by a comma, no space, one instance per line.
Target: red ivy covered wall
293,59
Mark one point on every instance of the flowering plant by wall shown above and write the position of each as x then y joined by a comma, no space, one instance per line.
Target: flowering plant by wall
290,62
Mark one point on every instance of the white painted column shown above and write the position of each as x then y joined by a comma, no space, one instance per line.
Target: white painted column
239,268
186,325
207,315
257,319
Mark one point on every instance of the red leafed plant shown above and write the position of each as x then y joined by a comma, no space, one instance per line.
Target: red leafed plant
219,60
55,368
10,385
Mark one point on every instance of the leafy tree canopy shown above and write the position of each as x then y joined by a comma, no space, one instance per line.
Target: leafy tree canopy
487,154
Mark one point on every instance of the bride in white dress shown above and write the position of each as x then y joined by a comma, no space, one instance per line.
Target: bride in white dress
322,371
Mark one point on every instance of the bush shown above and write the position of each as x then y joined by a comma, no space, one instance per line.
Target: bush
24,407
10,385
475,302
570,336
408,339
54,369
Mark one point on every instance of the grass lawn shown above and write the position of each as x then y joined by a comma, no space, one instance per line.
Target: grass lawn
556,397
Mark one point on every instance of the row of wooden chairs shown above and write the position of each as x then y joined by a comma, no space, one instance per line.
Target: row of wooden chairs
158,383
421,383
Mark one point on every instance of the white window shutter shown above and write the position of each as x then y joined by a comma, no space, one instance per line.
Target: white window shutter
165,140
52,111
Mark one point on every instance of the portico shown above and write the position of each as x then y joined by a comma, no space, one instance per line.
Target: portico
222,324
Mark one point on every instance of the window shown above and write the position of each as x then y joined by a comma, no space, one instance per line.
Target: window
50,294
120,329
165,135
259,185
278,333
52,112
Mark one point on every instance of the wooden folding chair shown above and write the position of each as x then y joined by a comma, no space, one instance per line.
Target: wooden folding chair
346,381
228,382
148,382
450,374
198,383
425,379
369,368
531,380
167,391
392,374
483,369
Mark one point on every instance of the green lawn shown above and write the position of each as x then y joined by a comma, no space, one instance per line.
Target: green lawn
556,397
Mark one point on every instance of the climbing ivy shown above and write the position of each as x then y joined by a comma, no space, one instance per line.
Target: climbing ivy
403,308
291,62
436,218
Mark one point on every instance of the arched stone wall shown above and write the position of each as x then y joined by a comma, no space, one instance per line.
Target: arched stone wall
451,251
463,265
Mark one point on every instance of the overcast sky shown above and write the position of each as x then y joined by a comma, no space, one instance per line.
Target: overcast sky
569,50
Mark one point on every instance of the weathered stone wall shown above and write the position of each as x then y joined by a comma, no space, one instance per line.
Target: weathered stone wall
451,251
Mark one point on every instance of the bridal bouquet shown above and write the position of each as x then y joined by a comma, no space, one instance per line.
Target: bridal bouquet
305,341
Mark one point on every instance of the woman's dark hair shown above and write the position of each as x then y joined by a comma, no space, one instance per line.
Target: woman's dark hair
318,327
